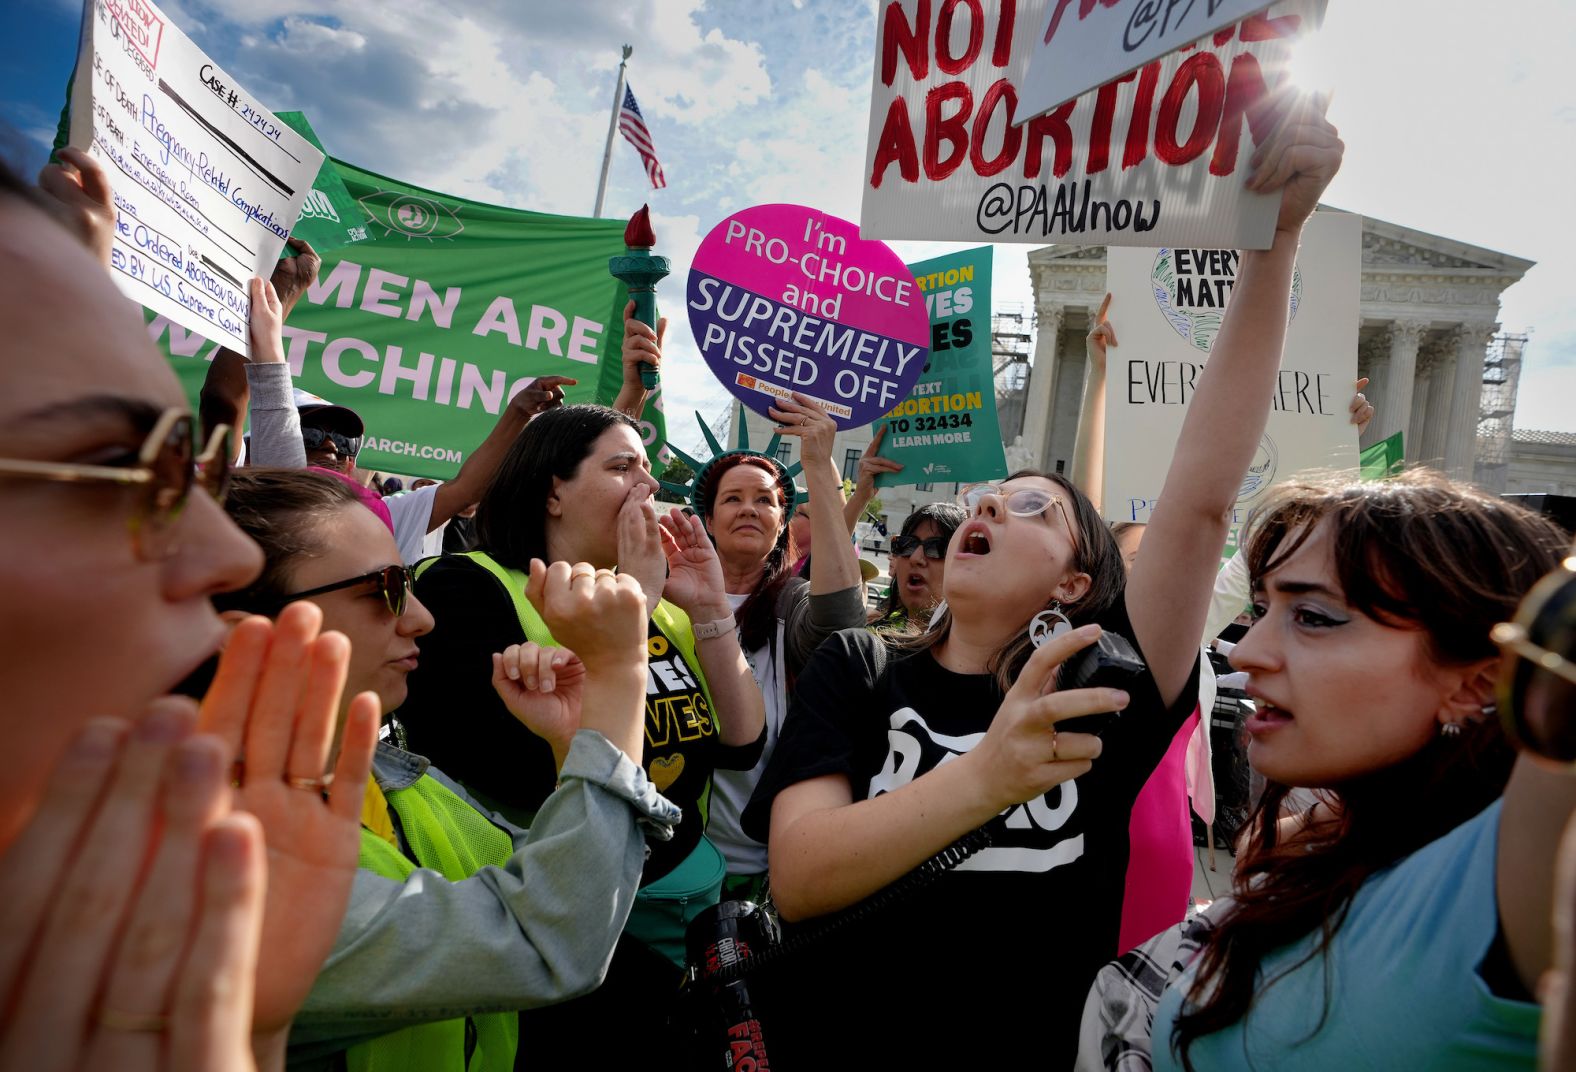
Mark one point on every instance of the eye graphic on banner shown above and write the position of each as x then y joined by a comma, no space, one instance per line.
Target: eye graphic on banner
1192,286
411,216
1261,473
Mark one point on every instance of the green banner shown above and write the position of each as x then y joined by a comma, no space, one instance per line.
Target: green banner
1382,459
946,429
330,218
427,328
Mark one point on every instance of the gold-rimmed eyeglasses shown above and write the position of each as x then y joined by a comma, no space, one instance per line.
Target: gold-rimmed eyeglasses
1537,690
168,465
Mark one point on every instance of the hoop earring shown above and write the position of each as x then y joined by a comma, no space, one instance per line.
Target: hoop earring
1048,625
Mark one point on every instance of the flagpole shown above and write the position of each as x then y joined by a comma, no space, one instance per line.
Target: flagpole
612,128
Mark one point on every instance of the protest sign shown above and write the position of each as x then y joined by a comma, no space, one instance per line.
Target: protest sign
207,181
330,217
946,429
1089,44
1167,306
784,298
429,328
1157,157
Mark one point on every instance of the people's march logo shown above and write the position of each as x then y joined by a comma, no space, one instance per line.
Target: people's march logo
1192,287
412,215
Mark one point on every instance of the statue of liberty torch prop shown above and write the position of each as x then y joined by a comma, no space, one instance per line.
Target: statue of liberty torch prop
641,271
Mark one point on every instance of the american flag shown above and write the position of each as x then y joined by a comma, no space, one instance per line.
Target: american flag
634,128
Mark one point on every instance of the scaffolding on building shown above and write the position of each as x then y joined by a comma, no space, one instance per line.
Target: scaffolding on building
1497,411
1010,348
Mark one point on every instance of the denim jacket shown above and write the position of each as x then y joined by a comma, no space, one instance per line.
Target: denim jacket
537,931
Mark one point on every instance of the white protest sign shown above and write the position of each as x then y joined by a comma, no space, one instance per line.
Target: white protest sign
1157,157
1167,306
1087,44
207,181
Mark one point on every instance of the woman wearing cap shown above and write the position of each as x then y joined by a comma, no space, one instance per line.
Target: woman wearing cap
576,486
747,501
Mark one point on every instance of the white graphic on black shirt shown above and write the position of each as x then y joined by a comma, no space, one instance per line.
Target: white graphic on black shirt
912,744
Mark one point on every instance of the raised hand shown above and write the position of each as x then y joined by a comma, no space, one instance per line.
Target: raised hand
542,688
642,345
601,617
293,275
871,463
804,418
1361,409
83,188
1100,336
275,703
542,394
266,326
695,582
1300,158
1022,755
133,907
640,545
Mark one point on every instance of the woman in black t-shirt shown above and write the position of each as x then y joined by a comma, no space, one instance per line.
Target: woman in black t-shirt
888,756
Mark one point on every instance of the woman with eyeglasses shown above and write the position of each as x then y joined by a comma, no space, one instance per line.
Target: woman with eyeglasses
918,567
144,926
894,751
429,973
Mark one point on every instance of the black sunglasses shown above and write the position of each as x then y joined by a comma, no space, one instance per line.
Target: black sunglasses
394,581
345,446
935,546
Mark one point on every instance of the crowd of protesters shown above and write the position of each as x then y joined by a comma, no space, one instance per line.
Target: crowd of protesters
299,781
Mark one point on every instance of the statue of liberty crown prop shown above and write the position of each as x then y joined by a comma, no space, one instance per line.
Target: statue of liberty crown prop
694,489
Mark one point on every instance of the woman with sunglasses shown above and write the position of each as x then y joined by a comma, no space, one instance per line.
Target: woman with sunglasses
526,918
918,566
138,933
892,752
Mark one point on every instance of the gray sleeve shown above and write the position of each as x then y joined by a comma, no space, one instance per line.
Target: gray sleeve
272,416
538,930
813,618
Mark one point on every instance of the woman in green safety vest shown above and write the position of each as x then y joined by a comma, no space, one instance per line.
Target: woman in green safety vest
428,974
577,486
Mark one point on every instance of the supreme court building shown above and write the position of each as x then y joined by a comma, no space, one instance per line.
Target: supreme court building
1430,309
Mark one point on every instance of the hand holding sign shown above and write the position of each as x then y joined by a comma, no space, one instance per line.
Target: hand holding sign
1302,157
85,193
801,417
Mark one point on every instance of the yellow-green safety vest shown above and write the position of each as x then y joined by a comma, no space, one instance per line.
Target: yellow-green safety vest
451,837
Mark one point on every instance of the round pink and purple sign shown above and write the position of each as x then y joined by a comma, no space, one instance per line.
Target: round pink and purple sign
784,298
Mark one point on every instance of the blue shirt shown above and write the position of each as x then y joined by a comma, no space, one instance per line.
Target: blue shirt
1404,988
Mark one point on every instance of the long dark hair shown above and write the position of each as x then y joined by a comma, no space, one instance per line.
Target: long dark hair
511,520
1096,554
1413,552
946,517
284,511
757,616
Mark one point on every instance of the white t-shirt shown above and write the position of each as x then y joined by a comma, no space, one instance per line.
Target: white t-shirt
411,512
731,790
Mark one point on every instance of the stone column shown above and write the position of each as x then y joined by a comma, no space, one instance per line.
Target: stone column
1436,409
1466,400
1395,403
1040,397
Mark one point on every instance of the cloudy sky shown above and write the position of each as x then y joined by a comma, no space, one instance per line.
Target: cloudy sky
1460,119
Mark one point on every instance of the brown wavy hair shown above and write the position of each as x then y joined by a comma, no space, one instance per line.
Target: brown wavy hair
757,616
1412,552
1096,554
